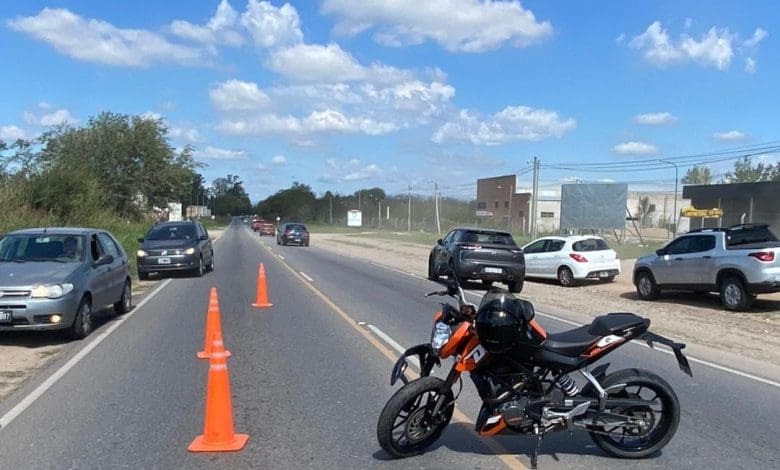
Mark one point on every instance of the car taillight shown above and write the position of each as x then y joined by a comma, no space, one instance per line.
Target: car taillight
765,256
471,247
578,258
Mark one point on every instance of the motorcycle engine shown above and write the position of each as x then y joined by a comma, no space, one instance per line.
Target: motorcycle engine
514,412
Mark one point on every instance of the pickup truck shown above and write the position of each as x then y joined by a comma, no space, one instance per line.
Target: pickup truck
739,262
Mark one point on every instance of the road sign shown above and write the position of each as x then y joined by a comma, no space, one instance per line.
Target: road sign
484,214
354,218
693,212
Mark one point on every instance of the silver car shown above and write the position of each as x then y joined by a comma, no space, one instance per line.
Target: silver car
55,278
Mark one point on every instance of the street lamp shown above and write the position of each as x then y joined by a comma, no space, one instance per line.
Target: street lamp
509,215
436,203
675,192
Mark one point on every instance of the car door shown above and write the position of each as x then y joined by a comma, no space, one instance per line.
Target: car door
534,256
697,264
551,259
675,267
116,269
99,283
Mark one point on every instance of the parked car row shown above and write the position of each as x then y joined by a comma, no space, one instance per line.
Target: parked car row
738,262
57,278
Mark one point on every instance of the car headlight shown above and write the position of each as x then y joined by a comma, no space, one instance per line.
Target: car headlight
53,291
141,253
189,251
440,336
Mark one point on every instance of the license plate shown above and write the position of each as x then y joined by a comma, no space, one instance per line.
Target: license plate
6,317
297,240
604,274
164,261
494,270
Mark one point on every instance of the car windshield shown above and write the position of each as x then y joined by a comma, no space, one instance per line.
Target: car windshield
42,247
171,232
590,244
296,227
491,238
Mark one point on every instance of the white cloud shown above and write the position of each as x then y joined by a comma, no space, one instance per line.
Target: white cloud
11,133
216,153
457,25
758,35
218,30
271,26
327,121
152,116
279,160
316,63
606,180
94,40
187,134
339,171
237,95
511,124
54,118
713,49
655,119
635,148
750,65
730,136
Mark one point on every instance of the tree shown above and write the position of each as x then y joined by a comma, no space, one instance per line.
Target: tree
698,175
745,172
230,197
644,210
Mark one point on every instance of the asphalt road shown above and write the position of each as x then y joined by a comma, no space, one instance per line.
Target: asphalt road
308,381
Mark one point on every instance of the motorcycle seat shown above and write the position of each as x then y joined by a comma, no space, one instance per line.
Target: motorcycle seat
570,343
616,323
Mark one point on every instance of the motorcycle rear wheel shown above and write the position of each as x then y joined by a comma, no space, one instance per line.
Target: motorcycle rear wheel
663,417
406,426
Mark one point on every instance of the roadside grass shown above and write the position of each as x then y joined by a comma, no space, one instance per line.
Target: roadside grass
635,251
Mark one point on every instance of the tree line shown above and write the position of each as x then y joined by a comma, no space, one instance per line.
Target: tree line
744,172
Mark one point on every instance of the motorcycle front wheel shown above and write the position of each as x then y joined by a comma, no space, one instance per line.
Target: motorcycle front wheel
407,425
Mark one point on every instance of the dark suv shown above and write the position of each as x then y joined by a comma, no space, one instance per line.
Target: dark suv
292,233
479,254
175,246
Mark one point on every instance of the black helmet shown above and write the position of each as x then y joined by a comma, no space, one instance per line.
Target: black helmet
501,320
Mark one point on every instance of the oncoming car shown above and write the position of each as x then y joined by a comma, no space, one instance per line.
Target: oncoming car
293,233
55,278
175,246
571,259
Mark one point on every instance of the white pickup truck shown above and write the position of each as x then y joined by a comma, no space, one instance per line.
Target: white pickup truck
739,262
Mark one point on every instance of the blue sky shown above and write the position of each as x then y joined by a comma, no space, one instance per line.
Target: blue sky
343,94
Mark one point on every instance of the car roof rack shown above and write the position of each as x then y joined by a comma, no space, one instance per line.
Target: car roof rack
711,229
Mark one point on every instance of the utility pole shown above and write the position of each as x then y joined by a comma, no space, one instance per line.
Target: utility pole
535,199
359,193
379,210
674,218
436,201
409,217
331,209
511,190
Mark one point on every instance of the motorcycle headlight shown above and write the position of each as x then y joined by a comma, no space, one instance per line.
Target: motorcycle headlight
189,251
440,336
53,291
141,253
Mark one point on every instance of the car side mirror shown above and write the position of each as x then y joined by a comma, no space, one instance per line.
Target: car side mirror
439,242
660,252
204,237
140,240
104,260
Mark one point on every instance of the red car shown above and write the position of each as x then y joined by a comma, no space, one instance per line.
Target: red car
256,224
267,229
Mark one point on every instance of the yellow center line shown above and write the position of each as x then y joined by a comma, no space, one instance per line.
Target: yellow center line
511,461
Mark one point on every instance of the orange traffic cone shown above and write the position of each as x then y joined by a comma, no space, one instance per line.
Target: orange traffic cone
218,433
213,326
262,290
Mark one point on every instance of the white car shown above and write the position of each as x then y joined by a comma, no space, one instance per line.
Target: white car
571,259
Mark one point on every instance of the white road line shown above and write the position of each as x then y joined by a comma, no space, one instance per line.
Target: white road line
387,339
305,276
389,268
57,375
280,256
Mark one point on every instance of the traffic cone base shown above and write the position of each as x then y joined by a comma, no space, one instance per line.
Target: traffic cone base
200,444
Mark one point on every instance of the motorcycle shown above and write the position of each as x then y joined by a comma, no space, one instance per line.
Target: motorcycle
522,375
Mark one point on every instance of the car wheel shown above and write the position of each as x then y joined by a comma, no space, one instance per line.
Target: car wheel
211,264
565,276
608,279
515,287
486,283
125,302
200,269
432,274
82,324
143,276
734,295
646,287
306,243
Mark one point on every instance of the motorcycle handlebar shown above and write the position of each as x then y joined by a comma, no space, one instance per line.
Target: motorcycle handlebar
441,292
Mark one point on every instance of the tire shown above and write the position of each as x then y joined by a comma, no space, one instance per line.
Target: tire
646,287
210,267
404,401
734,295
608,279
143,276
432,274
306,243
486,283
663,427
82,324
565,277
125,302
515,287
198,272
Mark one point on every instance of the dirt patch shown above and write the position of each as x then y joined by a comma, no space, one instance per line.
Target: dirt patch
694,318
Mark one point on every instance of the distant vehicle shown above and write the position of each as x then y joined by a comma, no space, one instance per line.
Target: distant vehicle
175,246
292,233
267,228
739,262
55,278
479,254
571,259
257,224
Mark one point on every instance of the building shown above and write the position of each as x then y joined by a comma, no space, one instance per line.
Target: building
655,209
499,205
739,202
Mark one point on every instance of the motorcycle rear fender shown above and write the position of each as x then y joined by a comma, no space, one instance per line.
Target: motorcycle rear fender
425,356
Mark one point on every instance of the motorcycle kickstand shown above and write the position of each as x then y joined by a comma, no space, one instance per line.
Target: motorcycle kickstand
537,447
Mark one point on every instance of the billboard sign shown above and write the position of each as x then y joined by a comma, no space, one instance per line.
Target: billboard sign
594,206
484,214
354,218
